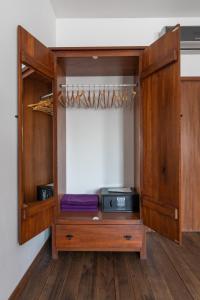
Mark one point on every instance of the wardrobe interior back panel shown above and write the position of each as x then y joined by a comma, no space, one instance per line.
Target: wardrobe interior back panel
100,143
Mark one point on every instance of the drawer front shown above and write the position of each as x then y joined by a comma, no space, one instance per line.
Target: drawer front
99,237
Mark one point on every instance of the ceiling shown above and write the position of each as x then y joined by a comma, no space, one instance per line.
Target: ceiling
126,8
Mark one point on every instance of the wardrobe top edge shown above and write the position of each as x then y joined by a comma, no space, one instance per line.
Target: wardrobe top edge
98,48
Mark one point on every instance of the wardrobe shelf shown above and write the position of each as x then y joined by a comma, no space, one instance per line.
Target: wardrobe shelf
103,218
34,207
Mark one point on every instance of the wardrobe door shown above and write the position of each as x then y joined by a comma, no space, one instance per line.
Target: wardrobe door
160,83
35,136
190,154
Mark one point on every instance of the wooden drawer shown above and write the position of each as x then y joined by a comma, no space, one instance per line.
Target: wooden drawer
99,237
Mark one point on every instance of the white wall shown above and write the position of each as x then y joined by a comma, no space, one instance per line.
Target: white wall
190,64
100,144
113,32
122,32
38,18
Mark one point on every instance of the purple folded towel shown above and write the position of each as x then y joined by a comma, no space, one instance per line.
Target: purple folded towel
80,202
78,206
70,208
82,199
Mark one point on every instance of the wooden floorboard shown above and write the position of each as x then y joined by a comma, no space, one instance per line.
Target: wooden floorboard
38,278
104,282
170,272
55,281
138,278
177,290
124,290
186,264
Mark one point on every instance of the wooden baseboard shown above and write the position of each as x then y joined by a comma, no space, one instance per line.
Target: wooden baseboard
190,230
19,288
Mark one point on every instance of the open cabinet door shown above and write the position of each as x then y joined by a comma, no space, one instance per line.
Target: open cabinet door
160,83
35,136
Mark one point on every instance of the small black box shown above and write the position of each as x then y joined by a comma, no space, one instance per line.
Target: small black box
44,191
119,200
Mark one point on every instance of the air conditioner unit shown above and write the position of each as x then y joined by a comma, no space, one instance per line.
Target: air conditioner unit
190,36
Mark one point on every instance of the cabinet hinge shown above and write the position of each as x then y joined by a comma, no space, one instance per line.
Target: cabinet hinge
176,214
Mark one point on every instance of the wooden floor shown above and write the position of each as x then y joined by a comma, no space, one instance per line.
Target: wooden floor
170,272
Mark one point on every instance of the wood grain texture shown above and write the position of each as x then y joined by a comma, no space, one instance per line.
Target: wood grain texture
170,58
124,288
99,238
37,139
60,136
87,277
36,160
32,226
108,233
185,264
99,48
76,276
34,53
35,136
137,277
137,138
161,138
104,218
33,208
56,282
97,51
102,66
190,145
169,285
59,153
190,78
171,272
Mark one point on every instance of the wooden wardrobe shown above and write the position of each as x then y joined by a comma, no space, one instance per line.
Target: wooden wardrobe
166,174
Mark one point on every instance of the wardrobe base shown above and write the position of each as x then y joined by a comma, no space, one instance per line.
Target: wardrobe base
98,237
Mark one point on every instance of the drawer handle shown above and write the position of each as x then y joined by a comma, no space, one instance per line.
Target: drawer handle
128,237
69,236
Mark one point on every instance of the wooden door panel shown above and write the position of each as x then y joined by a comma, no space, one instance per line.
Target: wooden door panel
162,50
35,136
161,135
160,141
162,223
34,218
190,154
60,133
34,53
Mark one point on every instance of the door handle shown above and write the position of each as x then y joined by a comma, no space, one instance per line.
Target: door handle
69,237
128,237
